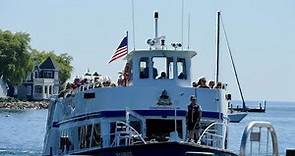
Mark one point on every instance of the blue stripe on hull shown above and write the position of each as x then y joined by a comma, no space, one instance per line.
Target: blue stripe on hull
121,113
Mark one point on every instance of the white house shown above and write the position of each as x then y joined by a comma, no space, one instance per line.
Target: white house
41,83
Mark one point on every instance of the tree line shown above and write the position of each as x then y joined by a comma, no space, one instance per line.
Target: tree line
18,58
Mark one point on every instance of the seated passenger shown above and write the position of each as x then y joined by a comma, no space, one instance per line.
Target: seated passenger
181,76
145,73
218,85
211,84
163,76
195,84
120,81
202,83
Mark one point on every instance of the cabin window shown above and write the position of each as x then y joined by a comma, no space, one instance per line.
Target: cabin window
160,129
162,67
144,68
181,69
96,136
84,133
65,143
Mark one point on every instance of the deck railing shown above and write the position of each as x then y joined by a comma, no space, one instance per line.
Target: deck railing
126,135
211,137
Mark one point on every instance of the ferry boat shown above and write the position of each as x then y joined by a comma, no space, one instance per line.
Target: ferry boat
144,117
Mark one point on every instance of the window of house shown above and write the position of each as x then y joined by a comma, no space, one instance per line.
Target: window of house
29,90
47,74
181,69
144,68
162,67
46,88
36,74
50,89
38,89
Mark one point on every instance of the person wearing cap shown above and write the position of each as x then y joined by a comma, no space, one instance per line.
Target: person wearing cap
193,118
202,83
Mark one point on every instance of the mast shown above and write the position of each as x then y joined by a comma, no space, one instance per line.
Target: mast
234,68
217,46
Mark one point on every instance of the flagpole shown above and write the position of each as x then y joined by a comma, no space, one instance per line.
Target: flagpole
127,40
133,24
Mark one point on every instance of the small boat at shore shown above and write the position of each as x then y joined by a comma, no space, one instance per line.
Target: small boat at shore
144,114
258,109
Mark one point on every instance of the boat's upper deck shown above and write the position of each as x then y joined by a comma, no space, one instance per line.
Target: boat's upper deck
154,67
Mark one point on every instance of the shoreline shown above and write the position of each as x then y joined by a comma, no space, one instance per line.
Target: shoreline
14,104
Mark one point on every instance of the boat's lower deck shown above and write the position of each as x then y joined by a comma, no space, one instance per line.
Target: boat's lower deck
158,149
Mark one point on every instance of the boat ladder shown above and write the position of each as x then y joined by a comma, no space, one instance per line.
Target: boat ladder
254,129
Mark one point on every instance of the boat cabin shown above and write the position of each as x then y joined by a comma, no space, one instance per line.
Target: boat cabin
171,67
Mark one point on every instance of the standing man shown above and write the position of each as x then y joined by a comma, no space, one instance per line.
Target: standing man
193,118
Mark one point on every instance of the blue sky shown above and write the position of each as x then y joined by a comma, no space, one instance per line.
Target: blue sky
261,35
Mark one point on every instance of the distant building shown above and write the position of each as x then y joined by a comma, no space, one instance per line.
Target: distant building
3,88
41,83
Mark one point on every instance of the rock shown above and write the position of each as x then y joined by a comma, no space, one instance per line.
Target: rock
18,105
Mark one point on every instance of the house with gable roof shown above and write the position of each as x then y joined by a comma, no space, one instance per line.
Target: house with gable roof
41,83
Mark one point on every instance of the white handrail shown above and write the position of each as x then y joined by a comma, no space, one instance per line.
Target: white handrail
207,129
259,124
128,132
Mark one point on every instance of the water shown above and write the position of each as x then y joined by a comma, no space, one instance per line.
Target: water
22,132
282,117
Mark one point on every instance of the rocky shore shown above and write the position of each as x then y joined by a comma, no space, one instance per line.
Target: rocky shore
11,103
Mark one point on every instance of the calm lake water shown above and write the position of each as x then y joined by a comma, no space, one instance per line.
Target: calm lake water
22,132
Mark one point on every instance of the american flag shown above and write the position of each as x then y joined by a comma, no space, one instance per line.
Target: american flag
122,50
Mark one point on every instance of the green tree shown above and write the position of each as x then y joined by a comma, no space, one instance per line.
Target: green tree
63,61
15,60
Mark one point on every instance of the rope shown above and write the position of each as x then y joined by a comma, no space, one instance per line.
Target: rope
233,64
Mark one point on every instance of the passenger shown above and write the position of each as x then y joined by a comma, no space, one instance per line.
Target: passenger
144,73
163,76
127,74
211,84
218,85
202,83
120,81
195,84
113,85
193,118
181,76
97,85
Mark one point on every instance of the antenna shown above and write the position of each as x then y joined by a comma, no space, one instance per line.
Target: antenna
188,30
217,46
133,27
